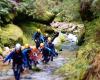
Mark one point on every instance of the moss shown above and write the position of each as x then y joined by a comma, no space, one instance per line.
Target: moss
36,69
47,16
76,68
11,34
30,27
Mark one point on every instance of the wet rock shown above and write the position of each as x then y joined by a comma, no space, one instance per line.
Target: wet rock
9,73
67,27
72,38
58,40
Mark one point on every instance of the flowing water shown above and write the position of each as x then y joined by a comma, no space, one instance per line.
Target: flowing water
47,70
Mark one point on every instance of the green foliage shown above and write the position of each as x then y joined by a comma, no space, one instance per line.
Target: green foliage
69,11
74,70
41,9
5,11
37,9
76,67
95,7
1,50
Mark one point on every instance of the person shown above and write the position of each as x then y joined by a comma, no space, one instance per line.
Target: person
26,51
35,55
46,52
52,47
38,38
46,38
17,57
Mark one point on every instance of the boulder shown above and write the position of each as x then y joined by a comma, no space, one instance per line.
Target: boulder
72,38
59,40
10,35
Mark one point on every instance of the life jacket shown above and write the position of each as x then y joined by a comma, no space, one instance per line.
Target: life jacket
35,54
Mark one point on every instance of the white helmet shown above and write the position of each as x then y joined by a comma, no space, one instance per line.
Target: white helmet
18,46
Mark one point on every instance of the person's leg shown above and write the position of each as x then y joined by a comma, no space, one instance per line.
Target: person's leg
37,44
44,59
56,53
35,63
18,72
47,58
15,70
15,73
30,64
51,57
22,68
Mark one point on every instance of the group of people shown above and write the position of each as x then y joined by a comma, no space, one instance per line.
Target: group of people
24,57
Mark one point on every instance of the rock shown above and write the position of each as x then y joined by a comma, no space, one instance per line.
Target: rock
10,35
6,51
10,73
58,41
72,38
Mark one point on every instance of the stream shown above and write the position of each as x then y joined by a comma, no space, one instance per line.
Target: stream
68,50
47,70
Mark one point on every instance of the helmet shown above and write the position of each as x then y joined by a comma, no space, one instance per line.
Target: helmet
38,30
27,45
41,44
46,34
33,47
18,46
49,38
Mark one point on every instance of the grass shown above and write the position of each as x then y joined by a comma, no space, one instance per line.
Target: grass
77,67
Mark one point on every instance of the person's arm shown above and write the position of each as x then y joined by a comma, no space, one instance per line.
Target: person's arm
25,53
42,38
8,57
53,47
50,51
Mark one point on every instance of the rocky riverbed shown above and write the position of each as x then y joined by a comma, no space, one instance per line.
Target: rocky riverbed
46,70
